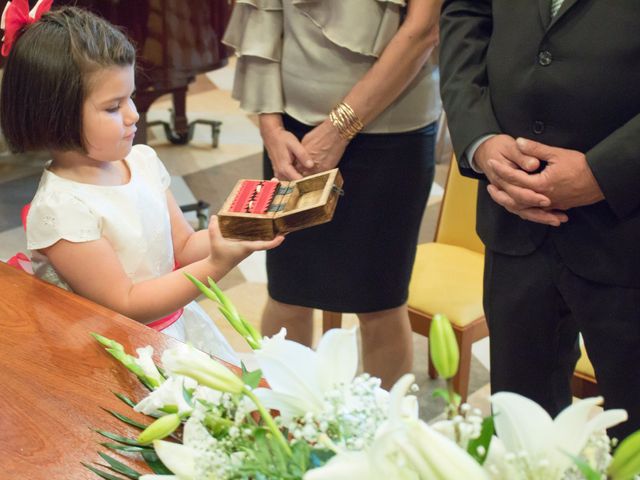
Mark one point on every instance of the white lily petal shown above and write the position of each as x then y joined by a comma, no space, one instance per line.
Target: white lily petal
288,405
344,466
446,459
521,423
410,407
570,435
169,393
397,395
146,363
290,368
177,458
496,459
605,420
337,347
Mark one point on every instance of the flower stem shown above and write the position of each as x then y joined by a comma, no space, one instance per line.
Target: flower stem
268,419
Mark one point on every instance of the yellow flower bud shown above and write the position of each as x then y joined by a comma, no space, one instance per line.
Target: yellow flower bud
443,346
159,429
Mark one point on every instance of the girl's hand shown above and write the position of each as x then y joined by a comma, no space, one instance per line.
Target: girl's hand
227,252
287,154
325,146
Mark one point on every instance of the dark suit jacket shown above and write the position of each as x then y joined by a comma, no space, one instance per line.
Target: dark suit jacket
571,82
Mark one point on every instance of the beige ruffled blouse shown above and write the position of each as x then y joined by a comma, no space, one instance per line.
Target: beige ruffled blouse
303,56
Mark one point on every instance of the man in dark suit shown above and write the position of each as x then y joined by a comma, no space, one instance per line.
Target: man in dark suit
559,212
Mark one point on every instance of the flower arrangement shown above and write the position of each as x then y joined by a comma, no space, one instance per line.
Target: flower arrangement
211,424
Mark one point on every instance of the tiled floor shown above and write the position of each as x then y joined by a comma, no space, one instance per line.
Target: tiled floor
202,172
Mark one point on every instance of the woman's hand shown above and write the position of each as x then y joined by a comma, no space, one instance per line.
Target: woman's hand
288,156
228,252
325,147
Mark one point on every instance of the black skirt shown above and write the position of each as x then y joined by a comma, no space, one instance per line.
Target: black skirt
361,261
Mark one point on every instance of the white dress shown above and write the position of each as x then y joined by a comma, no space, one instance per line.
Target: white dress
134,218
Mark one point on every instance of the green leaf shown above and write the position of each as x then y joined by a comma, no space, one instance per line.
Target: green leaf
187,394
155,463
441,393
486,433
319,457
120,467
125,448
252,379
126,420
100,473
119,438
586,470
125,399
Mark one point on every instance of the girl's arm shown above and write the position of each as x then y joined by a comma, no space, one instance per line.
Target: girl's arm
93,270
188,246
396,68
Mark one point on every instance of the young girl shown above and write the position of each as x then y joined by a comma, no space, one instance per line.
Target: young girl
103,222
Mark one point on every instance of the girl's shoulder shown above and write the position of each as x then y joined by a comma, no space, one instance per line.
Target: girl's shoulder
144,162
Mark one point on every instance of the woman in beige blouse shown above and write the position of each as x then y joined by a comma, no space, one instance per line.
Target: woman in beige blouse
345,83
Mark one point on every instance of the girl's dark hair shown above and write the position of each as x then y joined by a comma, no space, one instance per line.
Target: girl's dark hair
46,78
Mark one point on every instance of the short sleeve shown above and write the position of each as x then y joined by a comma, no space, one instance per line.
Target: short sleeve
151,165
60,216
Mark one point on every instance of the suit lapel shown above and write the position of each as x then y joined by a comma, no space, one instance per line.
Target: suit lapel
545,12
566,5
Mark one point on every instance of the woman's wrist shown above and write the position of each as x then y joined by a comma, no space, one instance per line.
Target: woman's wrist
270,123
345,120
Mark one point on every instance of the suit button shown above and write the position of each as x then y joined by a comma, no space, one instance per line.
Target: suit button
545,58
538,127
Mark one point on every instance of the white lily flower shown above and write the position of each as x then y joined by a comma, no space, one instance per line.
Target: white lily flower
146,363
300,377
524,427
170,393
188,361
405,448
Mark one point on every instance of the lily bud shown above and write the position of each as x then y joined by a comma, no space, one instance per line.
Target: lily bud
186,360
443,346
159,429
626,460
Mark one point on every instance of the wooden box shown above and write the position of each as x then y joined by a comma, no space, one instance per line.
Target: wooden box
261,210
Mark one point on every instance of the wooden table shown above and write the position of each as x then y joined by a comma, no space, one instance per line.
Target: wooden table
54,378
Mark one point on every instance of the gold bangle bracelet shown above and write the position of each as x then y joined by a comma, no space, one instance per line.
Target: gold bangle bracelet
345,120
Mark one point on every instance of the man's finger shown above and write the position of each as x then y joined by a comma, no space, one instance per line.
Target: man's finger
548,217
519,160
513,176
535,149
533,214
525,197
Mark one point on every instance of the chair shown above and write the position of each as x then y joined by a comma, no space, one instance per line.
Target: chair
447,276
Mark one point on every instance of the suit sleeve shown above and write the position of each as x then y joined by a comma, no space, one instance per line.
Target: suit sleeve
465,32
615,163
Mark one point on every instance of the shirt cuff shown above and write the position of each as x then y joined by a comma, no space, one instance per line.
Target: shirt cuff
471,151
